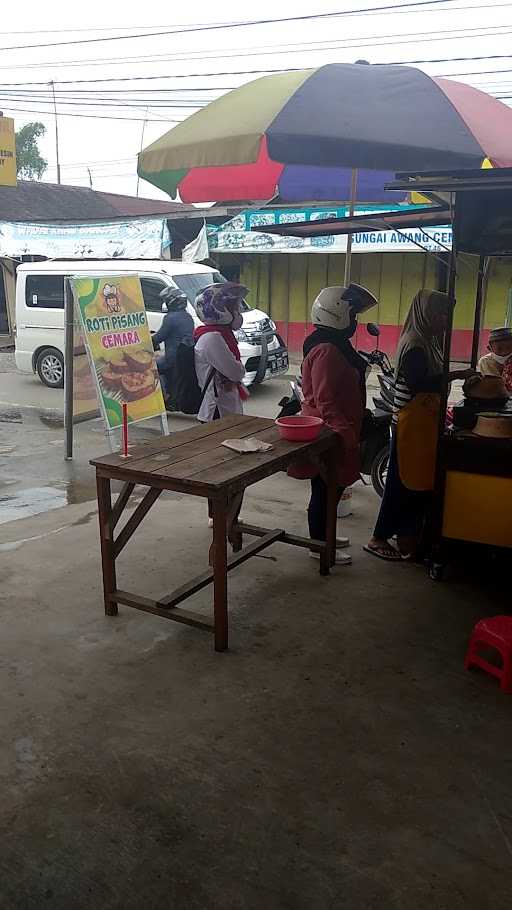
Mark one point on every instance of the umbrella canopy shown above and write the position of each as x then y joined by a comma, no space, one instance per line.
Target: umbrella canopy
298,132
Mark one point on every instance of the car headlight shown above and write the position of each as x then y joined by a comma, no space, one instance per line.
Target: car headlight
241,335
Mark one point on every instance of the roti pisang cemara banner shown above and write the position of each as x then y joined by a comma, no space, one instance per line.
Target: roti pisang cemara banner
118,341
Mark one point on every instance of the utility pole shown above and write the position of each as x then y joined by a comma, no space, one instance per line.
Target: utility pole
141,145
52,83
90,177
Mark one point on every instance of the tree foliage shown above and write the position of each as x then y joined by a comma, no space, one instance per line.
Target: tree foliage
29,162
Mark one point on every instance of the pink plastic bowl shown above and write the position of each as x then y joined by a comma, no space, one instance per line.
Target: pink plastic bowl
299,428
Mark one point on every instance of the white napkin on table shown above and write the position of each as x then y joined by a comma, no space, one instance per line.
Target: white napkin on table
247,446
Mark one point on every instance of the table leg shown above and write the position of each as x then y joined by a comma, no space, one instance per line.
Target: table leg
220,573
332,508
235,536
108,564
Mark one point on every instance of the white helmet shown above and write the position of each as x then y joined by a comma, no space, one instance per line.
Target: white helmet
335,307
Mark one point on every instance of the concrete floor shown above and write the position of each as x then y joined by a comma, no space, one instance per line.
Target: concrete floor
338,756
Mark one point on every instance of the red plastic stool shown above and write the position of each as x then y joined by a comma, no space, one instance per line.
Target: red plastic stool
495,632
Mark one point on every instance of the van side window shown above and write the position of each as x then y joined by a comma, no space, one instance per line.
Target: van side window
46,291
151,288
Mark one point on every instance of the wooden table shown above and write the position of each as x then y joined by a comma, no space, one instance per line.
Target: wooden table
194,461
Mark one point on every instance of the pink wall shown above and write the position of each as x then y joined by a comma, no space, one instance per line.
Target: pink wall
294,334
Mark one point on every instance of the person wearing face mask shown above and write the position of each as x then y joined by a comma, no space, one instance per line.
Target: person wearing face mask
219,309
498,362
333,384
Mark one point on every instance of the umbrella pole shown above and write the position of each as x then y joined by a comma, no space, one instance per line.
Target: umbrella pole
352,205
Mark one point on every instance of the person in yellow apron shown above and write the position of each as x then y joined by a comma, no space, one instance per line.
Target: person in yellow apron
418,380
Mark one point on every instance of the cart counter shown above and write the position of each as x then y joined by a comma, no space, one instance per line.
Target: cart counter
478,489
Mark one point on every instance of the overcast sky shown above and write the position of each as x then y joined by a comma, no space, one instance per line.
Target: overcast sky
108,146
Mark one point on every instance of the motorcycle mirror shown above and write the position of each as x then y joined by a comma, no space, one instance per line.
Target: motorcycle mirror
164,307
373,329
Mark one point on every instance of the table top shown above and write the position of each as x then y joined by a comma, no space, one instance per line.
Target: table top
195,461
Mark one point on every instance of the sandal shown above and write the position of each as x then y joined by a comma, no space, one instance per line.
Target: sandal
384,551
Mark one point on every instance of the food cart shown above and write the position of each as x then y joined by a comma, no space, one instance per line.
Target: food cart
473,501
473,486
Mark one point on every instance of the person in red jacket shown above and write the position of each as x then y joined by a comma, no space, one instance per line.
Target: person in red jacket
334,388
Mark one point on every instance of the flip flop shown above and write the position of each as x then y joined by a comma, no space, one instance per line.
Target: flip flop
379,554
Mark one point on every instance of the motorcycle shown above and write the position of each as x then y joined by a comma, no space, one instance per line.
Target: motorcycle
376,430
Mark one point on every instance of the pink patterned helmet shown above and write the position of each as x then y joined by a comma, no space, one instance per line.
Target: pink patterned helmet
217,304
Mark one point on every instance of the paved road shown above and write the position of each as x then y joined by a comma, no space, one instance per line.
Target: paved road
26,390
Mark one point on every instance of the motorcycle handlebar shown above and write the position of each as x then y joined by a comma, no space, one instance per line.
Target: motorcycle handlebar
378,358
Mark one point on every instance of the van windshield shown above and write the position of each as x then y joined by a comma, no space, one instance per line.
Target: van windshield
192,284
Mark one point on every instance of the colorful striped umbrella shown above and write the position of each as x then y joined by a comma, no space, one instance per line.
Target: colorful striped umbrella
300,134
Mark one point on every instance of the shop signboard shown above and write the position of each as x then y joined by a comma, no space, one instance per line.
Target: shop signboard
237,235
7,152
117,339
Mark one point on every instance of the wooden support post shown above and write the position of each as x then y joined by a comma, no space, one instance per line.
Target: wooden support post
479,307
220,573
134,521
120,503
108,564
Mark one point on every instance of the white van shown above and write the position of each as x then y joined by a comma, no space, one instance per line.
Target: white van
40,313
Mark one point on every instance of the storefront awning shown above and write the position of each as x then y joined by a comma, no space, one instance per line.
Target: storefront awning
482,201
382,221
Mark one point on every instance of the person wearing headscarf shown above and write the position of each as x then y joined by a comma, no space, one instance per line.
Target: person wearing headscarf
333,384
419,369
217,356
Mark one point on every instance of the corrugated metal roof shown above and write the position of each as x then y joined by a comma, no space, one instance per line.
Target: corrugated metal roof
33,200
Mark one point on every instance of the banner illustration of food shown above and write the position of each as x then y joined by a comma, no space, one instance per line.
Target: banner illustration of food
117,335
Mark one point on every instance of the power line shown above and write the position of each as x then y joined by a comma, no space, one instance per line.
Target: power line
127,28
478,73
445,60
105,102
295,47
255,72
27,110
85,98
103,28
252,72
258,72
92,91
217,27
103,161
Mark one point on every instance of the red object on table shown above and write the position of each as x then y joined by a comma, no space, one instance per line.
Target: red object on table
495,632
125,429
299,428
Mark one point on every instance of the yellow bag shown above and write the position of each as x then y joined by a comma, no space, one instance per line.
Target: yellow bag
417,432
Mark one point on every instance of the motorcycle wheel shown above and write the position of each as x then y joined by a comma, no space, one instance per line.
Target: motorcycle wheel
379,470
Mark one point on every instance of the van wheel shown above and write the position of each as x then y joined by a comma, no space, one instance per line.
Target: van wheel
50,368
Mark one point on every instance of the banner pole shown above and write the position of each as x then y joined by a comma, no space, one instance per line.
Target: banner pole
68,369
352,205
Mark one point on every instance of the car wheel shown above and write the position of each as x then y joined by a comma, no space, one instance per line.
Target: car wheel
50,368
